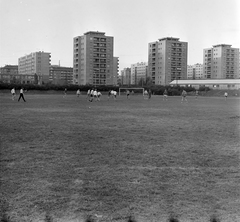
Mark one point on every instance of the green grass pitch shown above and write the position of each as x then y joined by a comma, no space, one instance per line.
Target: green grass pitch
69,158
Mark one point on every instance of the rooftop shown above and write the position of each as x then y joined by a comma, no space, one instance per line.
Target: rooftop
94,33
205,81
222,45
169,38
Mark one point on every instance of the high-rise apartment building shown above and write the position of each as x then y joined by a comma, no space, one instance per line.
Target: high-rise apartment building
36,63
139,72
93,59
195,71
115,70
221,62
167,60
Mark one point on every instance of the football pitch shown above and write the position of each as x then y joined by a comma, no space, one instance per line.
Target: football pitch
152,159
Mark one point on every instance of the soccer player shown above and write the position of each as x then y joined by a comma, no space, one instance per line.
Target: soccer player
78,92
13,93
196,94
109,94
95,94
128,93
98,95
114,94
91,95
184,96
65,92
149,94
145,94
21,95
225,95
88,94
165,95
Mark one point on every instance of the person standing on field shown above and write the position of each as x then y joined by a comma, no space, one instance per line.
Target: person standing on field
128,93
21,95
13,93
88,94
184,96
225,95
78,92
149,94
98,95
65,92
165,95
196,94
95,94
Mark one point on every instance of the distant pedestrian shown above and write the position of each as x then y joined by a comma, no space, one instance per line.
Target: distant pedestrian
165,95
78,92
13,93
184,96
21,95
225,95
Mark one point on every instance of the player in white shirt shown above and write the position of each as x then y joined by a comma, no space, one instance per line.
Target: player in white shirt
88,94
13,93
225,95
114,94
95,94
78,92
21,95
98,95
91,95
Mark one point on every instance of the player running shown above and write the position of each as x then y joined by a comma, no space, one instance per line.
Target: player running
21,95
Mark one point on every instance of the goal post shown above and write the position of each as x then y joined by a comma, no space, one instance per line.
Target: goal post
130,89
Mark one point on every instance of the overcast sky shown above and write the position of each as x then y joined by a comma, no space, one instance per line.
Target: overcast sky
50,25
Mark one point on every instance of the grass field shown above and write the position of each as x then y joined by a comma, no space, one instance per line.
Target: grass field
68,158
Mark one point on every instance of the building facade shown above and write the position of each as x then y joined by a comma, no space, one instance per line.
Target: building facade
36,63
115,70
126,76
221,62
9,69
139,72
167,60
60,75
93,59
195,71
9,74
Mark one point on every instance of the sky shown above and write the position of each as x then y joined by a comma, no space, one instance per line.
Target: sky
28,26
